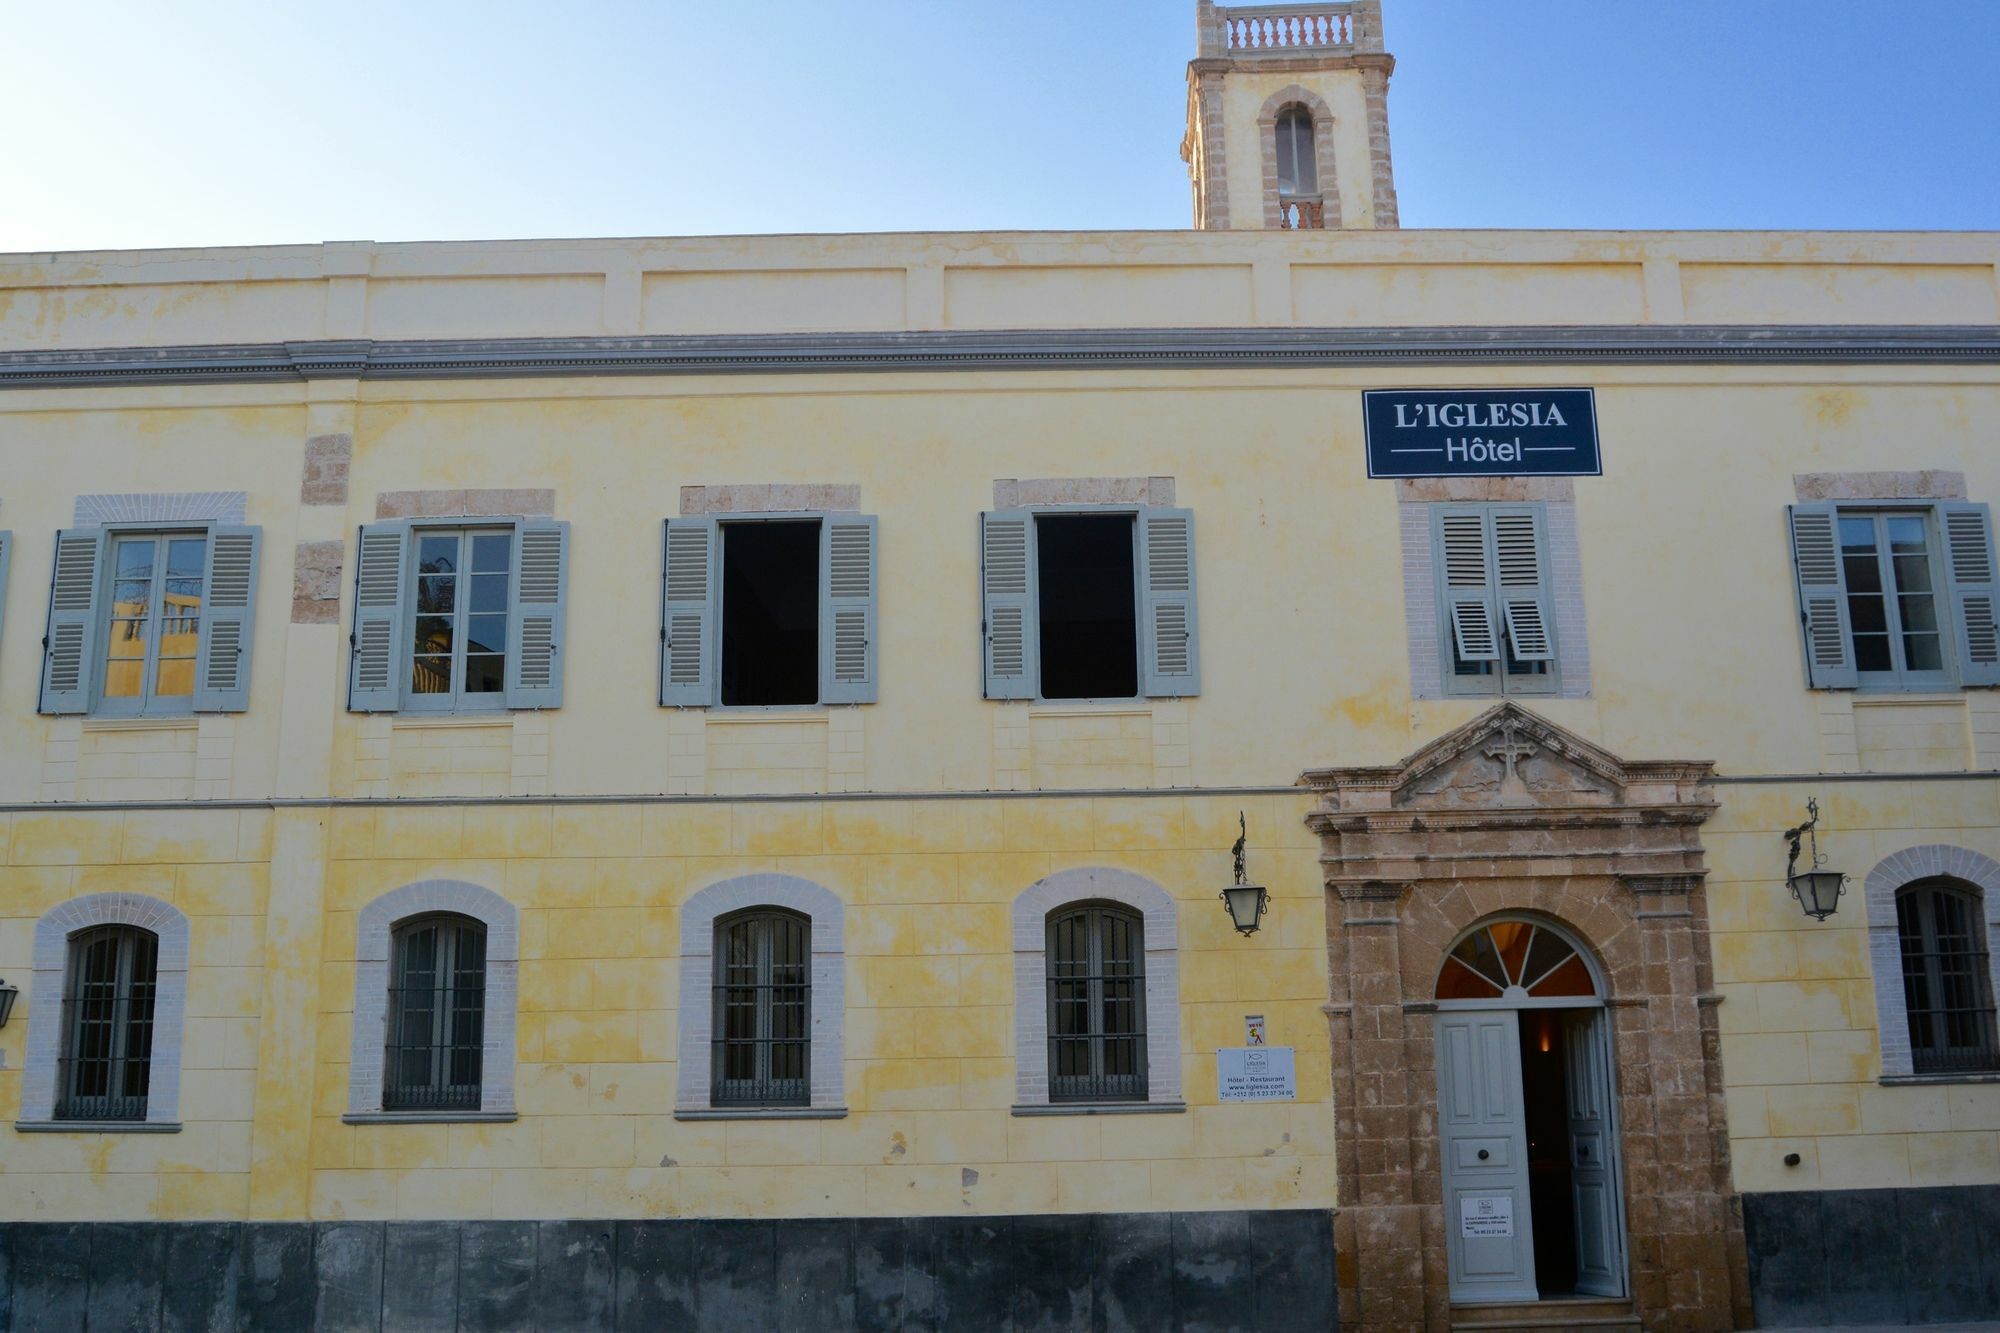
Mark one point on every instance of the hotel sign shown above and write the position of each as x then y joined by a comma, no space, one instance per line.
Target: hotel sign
1482,432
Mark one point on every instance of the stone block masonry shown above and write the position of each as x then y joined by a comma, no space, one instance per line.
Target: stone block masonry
1269,1271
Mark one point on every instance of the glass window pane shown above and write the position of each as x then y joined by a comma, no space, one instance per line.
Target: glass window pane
135,558
430,675
435,594
485,673
434,634
437,553
486,634
186,556
1511,938
1550,949
125,660
1459,982
491,552
176,678
1572,978
1476,951
489,593
1923,652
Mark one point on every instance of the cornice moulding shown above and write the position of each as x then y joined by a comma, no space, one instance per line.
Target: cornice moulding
1034,349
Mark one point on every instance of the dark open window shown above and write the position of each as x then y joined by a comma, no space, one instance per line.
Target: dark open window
1946,984
762,1046
770,613
1089,606
437,1015
107,1022
1097,1004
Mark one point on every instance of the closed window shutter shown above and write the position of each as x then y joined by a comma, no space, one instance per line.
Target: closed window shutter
1169,647
689,579
375,684
1459,538
68,646
535,614
1007,603
847,610
1974,580
1521,566
1822,597
229,610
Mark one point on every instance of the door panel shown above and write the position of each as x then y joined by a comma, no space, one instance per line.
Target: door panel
1593,1147
1489,1230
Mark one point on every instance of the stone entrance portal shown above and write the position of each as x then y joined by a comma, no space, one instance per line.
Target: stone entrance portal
1511,815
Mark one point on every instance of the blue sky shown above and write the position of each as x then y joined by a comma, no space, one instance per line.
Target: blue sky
202,123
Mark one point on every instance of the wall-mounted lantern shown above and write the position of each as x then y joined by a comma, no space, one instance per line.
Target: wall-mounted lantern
8,994
1817,889
1246,902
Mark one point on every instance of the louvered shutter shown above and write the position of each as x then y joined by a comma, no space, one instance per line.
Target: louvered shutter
375,684
228,616
1822,597
1007,615
1170,652
1521,568
535,603
69,644
1974,579
689,579
847,609
1460,549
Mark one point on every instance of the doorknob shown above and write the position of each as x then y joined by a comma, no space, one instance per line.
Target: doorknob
1483,1154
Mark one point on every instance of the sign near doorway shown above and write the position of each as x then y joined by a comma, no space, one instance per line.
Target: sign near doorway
1482,432
1483,1215
1255,1074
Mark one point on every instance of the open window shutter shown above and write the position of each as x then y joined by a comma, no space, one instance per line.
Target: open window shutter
1520,562
1822,597
1974,579
1007,606
847,610
1169,651
68,645
689,578
376,682
228,613
535,614
1460,538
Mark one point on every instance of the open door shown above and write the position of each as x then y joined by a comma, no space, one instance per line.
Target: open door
1488,1222
1593,1148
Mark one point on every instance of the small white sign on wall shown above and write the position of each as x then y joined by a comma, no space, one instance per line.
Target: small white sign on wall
1486,1215
1255,1074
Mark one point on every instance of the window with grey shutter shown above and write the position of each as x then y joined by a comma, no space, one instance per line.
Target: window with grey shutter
534,671
1974,580
375,683
687,612
71,632
847,609
1168,646
1496,617
1008,621
228,610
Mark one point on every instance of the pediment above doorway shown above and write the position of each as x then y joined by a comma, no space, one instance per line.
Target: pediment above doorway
1509,758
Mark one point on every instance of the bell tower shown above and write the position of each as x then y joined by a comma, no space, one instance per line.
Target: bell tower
1288,117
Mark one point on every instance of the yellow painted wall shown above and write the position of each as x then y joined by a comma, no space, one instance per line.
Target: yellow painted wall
1691,626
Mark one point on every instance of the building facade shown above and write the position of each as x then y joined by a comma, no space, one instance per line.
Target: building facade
687,782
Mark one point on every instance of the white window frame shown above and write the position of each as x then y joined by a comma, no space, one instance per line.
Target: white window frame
39,1090
146,703
1900,678
456,700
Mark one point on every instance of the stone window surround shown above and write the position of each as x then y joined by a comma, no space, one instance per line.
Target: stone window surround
97,511
1925,484
1423,616
51,961
770,498
1030,492
1157,909
827,1063
1267,137
1885,951
374,933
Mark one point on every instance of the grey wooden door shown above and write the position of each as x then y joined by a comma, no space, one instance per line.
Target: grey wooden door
1593,1152
1483,1133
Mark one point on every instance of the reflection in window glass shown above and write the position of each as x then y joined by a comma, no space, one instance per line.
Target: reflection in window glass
458,644
1518,956
1892,596
153,632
